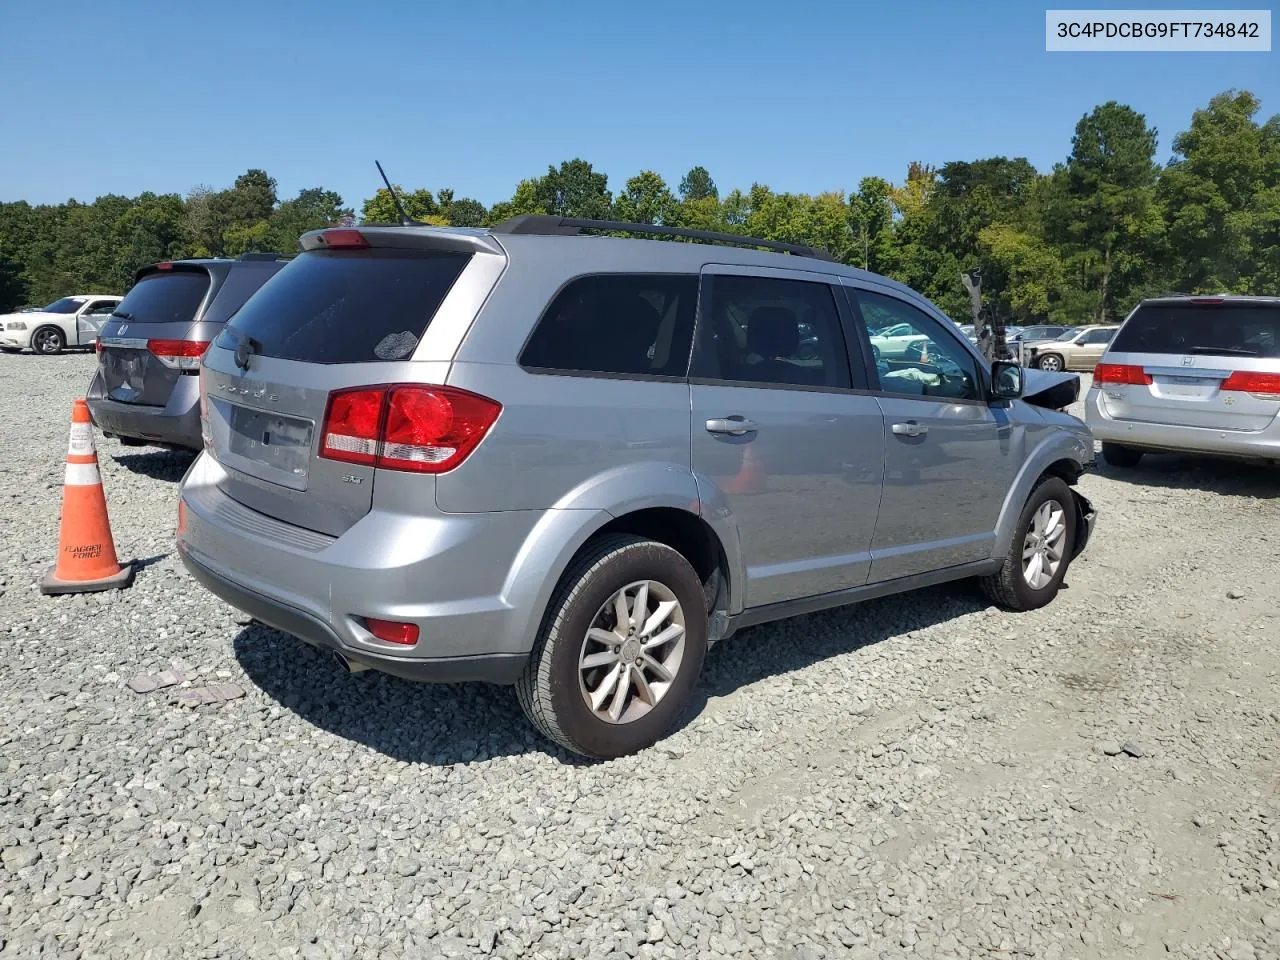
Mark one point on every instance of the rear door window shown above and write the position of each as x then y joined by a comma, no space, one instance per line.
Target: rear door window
626,324
1219,330
166,297
775,331
349,306
242,282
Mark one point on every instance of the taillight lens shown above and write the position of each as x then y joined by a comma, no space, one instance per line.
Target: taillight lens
343,238
1265,385
392,631
352,426
1120,373
178,354
97,345
421,429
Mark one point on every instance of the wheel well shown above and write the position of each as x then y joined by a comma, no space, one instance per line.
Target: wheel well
688,534
1067,470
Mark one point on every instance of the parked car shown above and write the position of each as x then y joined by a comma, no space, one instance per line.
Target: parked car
1038,332
457,454
1076,349
68,322
1192,375
146,387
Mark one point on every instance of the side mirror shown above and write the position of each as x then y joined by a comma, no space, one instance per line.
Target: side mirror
1006,380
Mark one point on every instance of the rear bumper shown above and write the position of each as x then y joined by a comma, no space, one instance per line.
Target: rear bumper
1162,437
450,574
501,668
177,423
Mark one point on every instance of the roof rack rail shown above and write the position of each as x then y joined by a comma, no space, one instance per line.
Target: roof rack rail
546,225
261,255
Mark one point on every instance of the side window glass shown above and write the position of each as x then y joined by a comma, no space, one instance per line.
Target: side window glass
629,324
771,331
1099,336
101,308
914,354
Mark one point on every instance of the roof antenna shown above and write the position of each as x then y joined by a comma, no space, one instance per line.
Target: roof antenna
405,219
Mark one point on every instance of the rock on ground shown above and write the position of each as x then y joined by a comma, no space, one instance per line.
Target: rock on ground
919,776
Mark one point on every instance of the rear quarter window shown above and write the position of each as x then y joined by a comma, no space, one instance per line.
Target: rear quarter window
167,297
241,283
349,306
1226,329
624,324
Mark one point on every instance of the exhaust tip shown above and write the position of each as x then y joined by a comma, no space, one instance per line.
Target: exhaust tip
349,665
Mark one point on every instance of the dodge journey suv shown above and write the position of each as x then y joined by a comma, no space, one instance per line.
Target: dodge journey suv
572,463
145,389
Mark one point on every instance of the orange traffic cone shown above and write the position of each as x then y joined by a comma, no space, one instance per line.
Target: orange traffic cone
750,478
86,552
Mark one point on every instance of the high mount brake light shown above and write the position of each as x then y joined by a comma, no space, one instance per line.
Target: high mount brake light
1120,373
411,427
178,354
339,239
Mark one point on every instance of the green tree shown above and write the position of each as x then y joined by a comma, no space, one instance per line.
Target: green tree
525,200
697,185
420,205
1102,208
312,209
13,288
1219,197
575,190
646,199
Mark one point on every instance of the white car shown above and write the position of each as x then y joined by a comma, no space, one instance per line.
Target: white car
69,322
896,341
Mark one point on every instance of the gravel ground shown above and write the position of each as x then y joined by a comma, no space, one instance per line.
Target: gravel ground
916,777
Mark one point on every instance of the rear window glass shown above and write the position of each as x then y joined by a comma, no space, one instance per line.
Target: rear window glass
1226,329
628,324
240,285
165,297
347,306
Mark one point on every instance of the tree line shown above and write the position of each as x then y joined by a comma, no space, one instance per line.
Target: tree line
1080,243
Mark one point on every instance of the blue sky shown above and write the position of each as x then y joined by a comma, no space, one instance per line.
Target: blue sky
118,98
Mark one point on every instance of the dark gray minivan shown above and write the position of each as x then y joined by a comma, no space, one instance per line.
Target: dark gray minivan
146,389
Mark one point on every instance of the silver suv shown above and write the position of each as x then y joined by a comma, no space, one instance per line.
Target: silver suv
1193,375
572,463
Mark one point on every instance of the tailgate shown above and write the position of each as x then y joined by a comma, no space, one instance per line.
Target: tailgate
153,318
328,321
1204,362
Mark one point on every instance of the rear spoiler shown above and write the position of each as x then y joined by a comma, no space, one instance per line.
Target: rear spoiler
436,239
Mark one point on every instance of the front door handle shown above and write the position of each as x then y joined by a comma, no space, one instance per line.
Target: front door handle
734,426
910,429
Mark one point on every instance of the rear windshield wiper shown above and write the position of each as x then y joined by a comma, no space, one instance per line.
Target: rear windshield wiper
122,314
1233,351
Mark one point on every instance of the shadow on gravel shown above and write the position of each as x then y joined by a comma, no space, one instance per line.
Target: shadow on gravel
170,465
1229,478
458,723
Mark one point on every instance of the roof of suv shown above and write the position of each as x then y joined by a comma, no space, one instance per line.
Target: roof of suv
565,234
1210,298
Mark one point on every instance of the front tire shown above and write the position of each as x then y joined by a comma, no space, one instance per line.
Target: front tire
1051,363
48,341
1118,455
1040,553
619,650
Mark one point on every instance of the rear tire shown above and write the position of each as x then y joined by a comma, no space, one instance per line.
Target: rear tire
1118,455
48,341
582,626
1019,585
1051,362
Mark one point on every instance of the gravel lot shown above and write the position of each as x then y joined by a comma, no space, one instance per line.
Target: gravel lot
921,776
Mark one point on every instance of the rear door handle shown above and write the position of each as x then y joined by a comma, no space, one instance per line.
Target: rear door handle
734,426
910,429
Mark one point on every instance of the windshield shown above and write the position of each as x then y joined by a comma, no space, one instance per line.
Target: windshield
65,305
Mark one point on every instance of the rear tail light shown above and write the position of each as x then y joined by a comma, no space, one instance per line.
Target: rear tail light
1120,373
392,631
1264,385
178,354
97,345
422,429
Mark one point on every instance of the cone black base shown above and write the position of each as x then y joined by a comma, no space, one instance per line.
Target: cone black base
51,585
